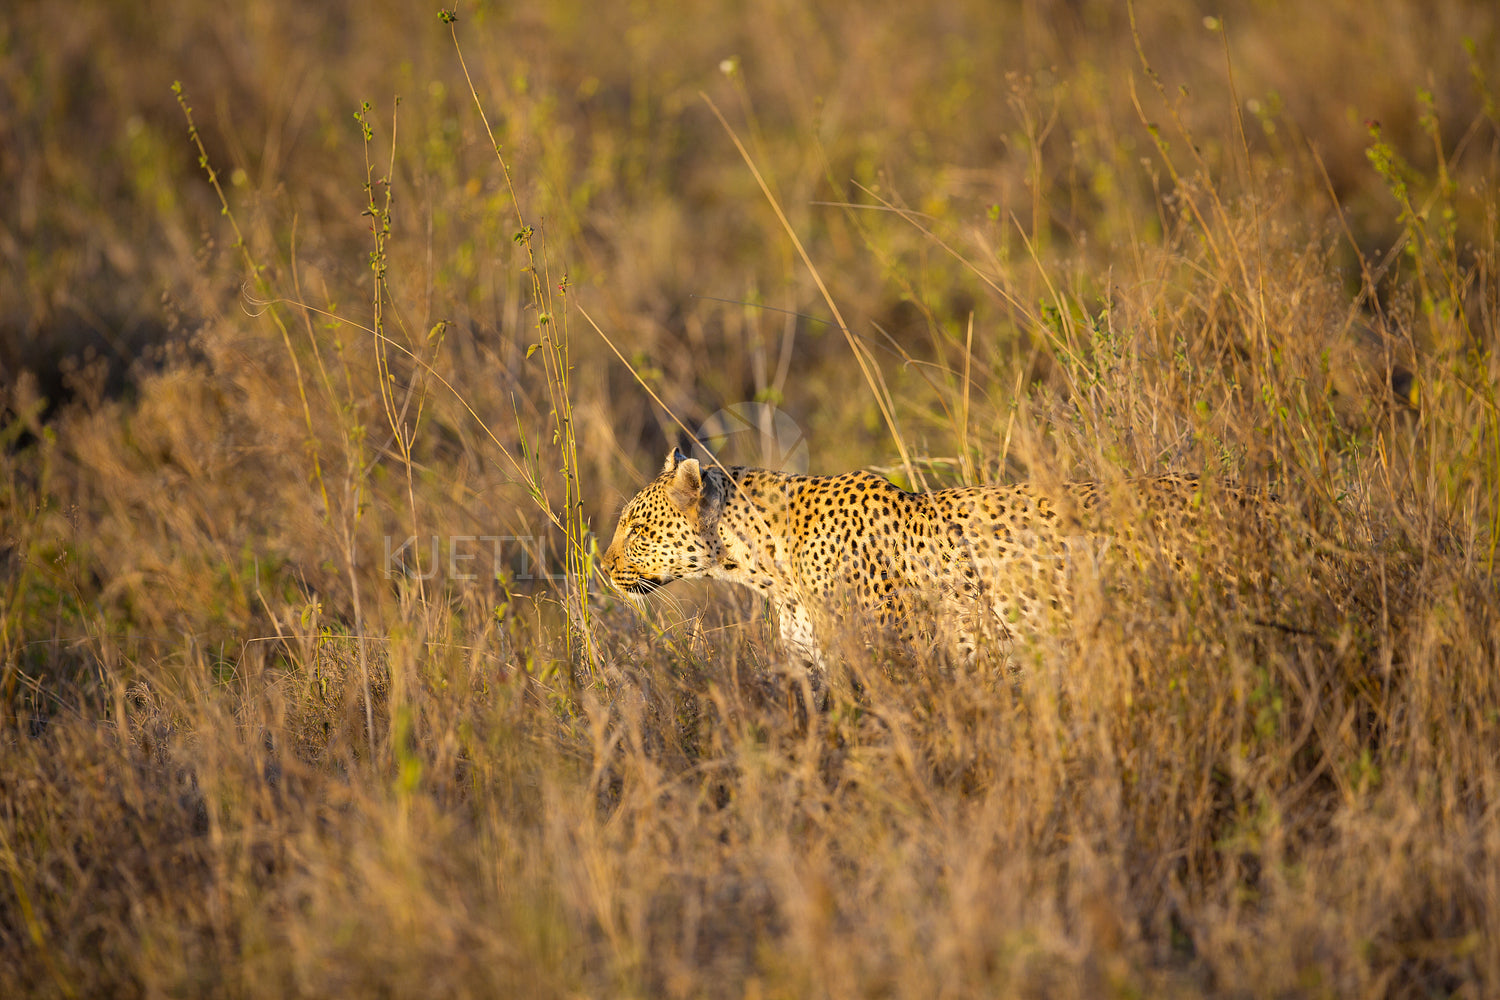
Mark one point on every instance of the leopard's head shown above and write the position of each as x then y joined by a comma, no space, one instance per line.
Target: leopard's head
667,531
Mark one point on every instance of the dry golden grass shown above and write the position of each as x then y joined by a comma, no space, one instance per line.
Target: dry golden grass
242,753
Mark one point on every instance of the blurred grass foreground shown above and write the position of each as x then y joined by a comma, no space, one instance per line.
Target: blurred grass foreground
333,335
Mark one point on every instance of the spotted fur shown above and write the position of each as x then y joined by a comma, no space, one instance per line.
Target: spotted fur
952,566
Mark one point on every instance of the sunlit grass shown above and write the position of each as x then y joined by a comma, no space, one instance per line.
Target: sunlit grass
309,690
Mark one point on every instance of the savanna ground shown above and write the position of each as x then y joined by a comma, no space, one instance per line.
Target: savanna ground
248,751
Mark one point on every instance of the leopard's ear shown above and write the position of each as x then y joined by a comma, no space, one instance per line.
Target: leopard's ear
687,484
674,456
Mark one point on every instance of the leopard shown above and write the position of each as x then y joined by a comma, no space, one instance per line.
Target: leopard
958,569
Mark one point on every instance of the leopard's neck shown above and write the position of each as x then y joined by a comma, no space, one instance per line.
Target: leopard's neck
752,526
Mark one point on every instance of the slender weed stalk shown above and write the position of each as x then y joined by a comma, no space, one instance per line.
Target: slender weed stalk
254,272
873,376
548,299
